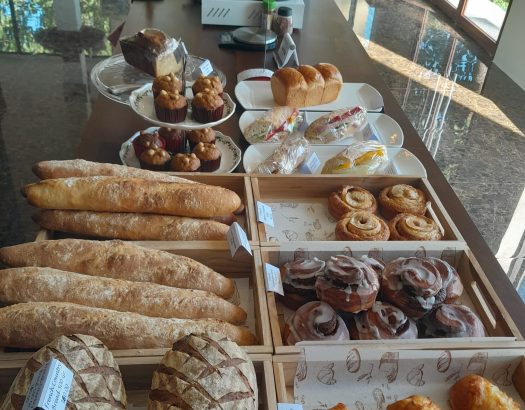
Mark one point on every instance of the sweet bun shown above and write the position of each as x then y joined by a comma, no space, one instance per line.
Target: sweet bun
333,81
315,84
402,198
350,198
289,87
474,392
415,402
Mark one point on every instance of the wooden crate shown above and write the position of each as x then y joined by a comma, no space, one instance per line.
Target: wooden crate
315,190
137,371
478,294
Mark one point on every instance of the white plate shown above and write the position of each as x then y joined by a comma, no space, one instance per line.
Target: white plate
385,128
257,95
141,101
402,161
231,153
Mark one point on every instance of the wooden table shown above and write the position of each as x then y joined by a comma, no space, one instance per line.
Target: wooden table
326,36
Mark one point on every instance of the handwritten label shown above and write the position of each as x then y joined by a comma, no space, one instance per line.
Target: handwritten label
264,214
237,239
206,68
49,387
289,406
272,279
311,164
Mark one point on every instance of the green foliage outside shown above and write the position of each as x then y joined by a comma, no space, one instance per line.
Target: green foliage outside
504,4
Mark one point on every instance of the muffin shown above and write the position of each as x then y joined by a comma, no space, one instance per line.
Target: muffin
169,83
146,141
203,135
171,107
155,159
175,139
207,106
210,82
209,156
185,163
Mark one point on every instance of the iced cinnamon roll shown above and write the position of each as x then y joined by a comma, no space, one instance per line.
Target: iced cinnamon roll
377,265
315,321
452,321
382,321
361,226
412,284
347,284
299,278
409,227
450,278
402,198
350,198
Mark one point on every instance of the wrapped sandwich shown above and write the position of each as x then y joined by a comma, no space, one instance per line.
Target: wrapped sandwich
360,158
287,157
274,126
336,125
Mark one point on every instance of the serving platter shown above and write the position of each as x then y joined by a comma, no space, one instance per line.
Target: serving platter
257,95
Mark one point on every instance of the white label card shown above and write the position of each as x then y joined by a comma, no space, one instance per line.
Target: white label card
310,164
273,280
206,68
237,239
264,214
286,51
289,406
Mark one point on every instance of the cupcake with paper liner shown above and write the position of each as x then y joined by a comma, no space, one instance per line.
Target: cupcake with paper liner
169,83
155,159
203,135
209,156
175,139
147,140
170,107
207,82
207,106
185,163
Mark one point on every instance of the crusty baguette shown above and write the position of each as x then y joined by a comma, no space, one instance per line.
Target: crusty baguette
83,168
119,260
131,226
18,285
32,325
116,194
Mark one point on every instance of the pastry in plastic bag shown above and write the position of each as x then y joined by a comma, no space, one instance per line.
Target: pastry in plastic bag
286,157
360,158
336,125
274,126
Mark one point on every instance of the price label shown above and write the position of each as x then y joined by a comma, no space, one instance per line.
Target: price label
289,406
206,68
286,51
237,239
368,133
272,279
264,214
311,164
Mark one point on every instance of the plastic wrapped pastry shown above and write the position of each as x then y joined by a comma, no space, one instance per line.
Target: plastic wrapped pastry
274,126
287,156
336,125
360,158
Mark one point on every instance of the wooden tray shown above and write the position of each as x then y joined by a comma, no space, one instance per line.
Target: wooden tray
137,372
291,190
478,294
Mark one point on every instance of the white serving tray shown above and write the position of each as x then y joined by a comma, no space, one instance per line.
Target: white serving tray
257,95
384,127
402,161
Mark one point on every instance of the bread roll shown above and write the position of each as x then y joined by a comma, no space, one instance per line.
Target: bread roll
289,87
333,82
82,168
131,226
474,392
116,194
32,325
18,285
97,382
415,402
118,260
315,84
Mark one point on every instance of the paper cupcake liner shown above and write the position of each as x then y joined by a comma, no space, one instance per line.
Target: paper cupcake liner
204,116
171,116
176,144
210,165
152,167
194,144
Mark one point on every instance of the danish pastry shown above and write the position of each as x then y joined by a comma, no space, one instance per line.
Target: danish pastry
474,392
409,227
402,198
415,402
350,198
361,226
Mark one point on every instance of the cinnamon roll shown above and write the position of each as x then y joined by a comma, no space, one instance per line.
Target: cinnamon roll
377,265
412,284
452,321
299,278
382,321
361,226
451,281
409,227
347,284
402,198
315,321
350,198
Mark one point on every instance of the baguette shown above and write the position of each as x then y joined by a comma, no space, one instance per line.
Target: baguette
118,260
133,227
115,194
34,324
81,168
18,285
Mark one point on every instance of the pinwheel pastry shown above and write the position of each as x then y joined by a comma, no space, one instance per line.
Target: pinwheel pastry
377,264
412,284
451,281
347,284
350,198
415,402
409,227
474,392
382,321
452,321
299,278
361,226
402,198
315,321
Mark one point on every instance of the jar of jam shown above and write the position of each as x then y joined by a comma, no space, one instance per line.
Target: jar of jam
283,22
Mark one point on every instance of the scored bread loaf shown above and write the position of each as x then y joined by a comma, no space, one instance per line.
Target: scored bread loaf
119,260
82,168
32,325
34,284
116,194
289,87
131,226
204,372
97,382
333,81
315,84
